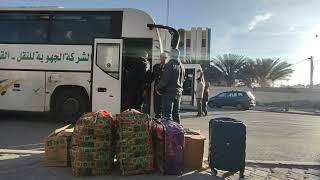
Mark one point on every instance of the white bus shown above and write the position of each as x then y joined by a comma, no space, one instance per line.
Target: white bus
68,61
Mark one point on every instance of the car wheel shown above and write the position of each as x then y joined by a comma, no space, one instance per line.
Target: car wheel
211,104
69,105
239,107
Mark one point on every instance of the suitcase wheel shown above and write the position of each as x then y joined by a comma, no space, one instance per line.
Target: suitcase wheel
214,172
241,175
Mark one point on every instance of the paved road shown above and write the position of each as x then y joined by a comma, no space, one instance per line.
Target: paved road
270,136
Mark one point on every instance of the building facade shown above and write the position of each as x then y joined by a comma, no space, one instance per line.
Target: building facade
194,44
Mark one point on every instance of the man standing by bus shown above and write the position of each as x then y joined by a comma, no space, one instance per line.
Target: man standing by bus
156,76
136,80
171,86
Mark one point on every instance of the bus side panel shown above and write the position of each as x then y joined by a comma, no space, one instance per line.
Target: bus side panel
22,90
67,79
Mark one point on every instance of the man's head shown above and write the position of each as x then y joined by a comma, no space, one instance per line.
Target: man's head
143,54
200,75
175,54
163,57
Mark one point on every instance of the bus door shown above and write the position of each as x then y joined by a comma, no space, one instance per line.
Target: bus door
106,85
132,47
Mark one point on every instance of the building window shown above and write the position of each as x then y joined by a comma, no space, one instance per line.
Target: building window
188,42
204,42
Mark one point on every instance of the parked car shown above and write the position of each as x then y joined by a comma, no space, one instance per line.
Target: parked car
242,100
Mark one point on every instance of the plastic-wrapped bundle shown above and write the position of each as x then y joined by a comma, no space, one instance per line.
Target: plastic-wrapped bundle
134,144
92,150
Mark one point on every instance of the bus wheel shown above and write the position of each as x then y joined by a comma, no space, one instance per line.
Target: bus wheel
69,104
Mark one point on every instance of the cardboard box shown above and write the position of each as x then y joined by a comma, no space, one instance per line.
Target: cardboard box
194,149
57,147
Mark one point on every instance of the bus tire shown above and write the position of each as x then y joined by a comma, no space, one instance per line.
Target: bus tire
69,104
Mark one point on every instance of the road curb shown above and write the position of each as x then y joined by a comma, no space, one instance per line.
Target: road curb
284,164
308,114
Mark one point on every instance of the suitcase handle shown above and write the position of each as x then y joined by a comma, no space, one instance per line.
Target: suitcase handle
226,119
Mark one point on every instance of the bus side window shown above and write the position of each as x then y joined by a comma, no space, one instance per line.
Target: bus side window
69,37
23,28
40,35
80,28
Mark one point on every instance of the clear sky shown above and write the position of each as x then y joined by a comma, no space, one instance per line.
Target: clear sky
283,29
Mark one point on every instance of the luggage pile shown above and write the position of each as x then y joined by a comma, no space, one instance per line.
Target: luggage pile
134,144
92,151
139,143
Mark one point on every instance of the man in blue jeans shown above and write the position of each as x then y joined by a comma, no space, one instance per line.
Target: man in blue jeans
171,86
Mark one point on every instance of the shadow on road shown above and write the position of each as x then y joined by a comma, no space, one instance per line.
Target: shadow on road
28,117
22,115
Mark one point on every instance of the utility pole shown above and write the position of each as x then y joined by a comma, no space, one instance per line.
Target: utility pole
167,22
311,71
168,7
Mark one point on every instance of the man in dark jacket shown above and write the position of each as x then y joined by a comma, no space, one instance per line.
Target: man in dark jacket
156,76
171,86
136,80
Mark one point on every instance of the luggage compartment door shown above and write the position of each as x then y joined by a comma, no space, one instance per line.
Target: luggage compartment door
22,90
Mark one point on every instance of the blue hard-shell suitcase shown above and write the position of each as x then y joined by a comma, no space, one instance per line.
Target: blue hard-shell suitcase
227,145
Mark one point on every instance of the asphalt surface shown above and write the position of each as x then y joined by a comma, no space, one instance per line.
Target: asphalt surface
270,136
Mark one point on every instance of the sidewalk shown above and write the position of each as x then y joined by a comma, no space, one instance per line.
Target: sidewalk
275,173
33,166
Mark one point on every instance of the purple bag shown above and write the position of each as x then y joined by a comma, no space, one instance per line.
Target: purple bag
169,146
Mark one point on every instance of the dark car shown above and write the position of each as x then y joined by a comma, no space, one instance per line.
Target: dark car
242,100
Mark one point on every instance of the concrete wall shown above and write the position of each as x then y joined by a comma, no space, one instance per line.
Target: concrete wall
274,95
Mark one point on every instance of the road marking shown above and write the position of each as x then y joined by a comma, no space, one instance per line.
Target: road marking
15,151
11,147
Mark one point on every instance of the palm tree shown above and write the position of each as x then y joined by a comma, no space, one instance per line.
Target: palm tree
247,73
229,65
268,71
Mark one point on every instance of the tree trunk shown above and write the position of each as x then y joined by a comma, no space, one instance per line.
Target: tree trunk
230,83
